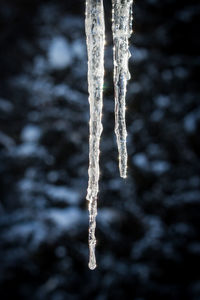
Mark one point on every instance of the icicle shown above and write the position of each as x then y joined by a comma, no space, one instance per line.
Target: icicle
95,33
122,29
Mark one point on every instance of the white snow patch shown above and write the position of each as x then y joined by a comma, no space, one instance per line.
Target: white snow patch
153,150
5,105
60,54
29,149
67,218
162,101
181,72
31,133
114,184
139,54
70,95
190,121
186,197
40,65
141,161
137,125
157,115
62,193
33,231
6,141
53,176
152,238
27,185
79,48
160,166
107,216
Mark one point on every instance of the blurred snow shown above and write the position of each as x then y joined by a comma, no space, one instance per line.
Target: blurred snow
148,224
107,215
181,72
152,237
137,126
191,120
141,161
25,231
30,150
55,193
79,49
189,197
157,115
159,167
162,101
62,193
60,54
154,150
194,248
138,54
31,133
6,141
65,219
6,105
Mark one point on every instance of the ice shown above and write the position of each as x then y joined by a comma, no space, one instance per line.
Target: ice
122,29
95,33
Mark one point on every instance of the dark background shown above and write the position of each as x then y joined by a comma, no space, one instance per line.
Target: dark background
148,225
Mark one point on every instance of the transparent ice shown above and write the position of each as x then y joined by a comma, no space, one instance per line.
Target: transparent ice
122,29
95,34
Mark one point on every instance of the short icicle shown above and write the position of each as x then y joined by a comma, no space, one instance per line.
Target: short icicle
122,29
95,34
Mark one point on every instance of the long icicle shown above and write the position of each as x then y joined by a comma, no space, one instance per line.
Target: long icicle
122,29
95,33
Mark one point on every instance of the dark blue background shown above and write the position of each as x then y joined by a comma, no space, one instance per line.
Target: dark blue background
147,225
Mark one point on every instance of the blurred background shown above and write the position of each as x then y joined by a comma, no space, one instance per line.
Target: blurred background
148,226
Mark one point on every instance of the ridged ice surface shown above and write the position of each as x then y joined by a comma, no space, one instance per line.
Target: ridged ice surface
95,33
122,29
